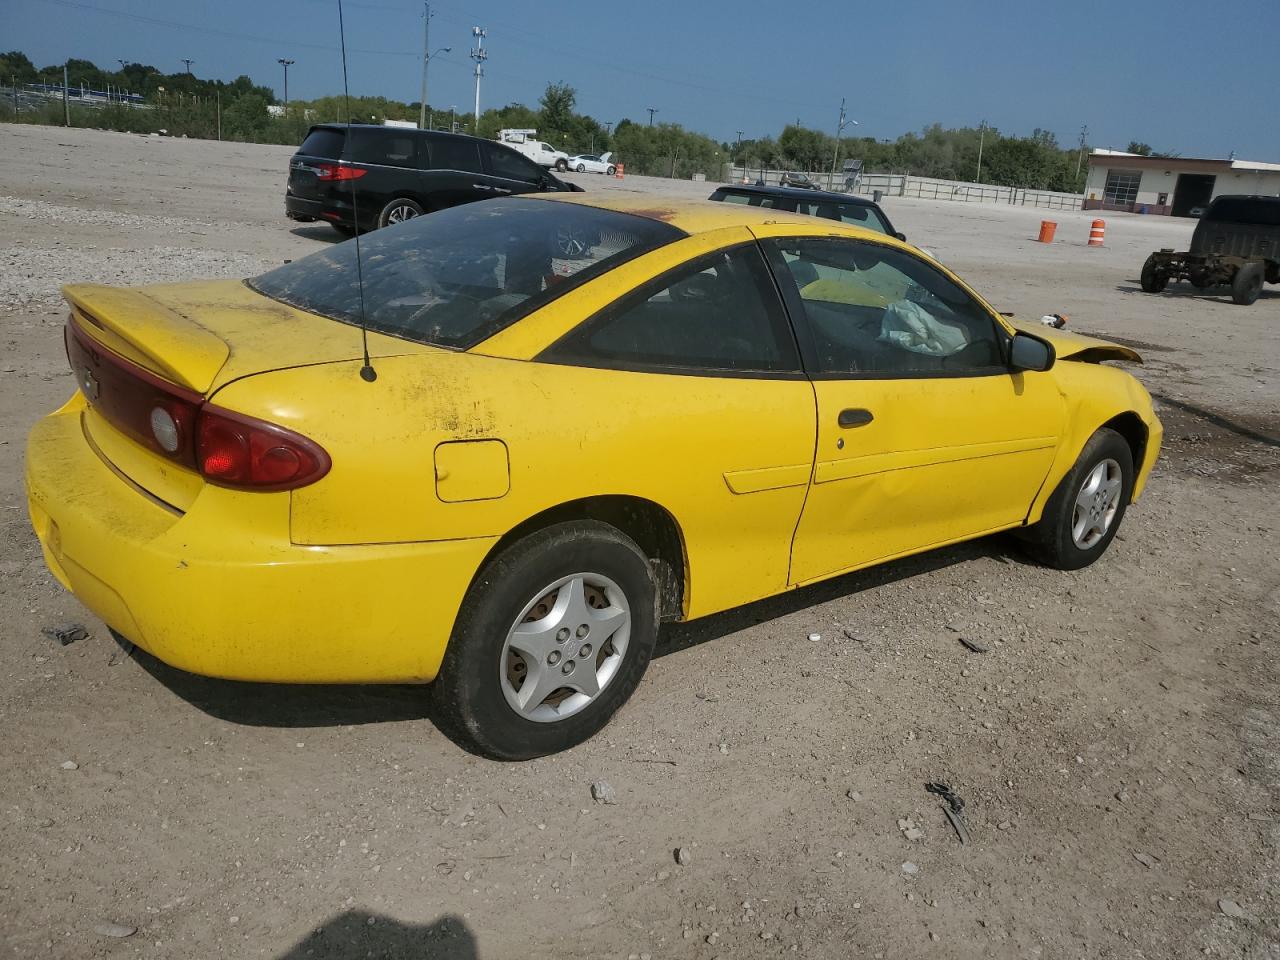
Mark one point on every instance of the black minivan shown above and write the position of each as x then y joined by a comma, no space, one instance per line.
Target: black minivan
389,174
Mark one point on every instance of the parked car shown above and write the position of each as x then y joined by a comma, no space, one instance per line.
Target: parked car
1236,243
386,175
590,163
543,458
853,210
525,142
800,181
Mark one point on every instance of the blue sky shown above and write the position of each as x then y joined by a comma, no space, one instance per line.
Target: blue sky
1129,69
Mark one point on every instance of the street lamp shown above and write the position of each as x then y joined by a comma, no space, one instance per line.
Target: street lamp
286,64
422,108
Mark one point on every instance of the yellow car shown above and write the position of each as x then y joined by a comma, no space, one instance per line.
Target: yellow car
576,417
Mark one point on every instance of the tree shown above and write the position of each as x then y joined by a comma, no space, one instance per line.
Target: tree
1138,147
557,103
16,65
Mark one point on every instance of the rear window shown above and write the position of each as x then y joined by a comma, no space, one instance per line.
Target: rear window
1260,211
323,142
853,214
458,276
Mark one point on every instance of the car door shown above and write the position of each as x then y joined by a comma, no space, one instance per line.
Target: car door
453,172
696,374
509,172
925,436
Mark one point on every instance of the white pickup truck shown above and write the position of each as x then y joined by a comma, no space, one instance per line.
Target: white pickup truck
526,142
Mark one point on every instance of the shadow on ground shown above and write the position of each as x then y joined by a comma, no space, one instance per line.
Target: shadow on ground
357,934
1220,294
306,706
318,231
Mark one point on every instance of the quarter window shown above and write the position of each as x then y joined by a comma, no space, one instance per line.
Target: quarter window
1122,186
873,310
720,313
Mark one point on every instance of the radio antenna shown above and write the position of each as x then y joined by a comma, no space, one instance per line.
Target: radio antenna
367,373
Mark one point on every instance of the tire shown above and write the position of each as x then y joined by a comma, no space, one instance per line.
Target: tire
1084,512
488,664
611,171
562,165
343,229
581,168
1153,278
399,210
1246,285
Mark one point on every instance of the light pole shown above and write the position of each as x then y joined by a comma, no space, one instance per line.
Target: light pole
840,125
982,135
188,61
426,60
737,153
652,111
286,64
479,55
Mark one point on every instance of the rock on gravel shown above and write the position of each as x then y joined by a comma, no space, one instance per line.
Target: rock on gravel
602,792
117,931
684,856
1232,909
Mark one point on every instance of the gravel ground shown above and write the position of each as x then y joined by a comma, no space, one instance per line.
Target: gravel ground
1116,744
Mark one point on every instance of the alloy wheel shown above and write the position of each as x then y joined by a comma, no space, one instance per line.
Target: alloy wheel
1096,504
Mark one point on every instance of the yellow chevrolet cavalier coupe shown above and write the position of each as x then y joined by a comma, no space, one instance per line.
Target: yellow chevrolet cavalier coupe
580,417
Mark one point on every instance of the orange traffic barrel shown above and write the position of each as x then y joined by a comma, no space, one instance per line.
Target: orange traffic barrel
1096,231
617,171
1047,229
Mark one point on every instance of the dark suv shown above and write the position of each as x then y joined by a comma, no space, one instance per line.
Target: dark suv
389,174
847,208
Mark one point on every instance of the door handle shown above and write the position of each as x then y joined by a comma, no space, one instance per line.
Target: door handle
481,186
855,417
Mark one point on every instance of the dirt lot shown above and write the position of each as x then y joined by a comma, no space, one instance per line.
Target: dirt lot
1118,746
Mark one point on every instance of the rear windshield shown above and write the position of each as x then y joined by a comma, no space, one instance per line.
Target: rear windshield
1259,211
323,142
458,276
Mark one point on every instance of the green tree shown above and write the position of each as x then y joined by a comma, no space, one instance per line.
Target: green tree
1138,147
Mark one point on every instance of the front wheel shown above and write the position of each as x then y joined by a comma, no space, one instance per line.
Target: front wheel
1153,278
553,637
1246,285
611,171
398,211
1084,512
581,168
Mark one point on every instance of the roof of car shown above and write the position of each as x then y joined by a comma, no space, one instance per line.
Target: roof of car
698,216
798,193
341,127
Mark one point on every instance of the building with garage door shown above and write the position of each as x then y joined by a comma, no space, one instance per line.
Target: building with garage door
1177,186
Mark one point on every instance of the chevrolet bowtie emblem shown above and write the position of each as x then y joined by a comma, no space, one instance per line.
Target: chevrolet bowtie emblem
89,384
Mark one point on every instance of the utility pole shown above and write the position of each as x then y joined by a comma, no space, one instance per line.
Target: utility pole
219,109
840,125
652,111
608,127
66,105
982,135
426,60
479,55
1084,132
286,64
737,152
453,119
188,61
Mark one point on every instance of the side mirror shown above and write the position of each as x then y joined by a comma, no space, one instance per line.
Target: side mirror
1030,353
901,236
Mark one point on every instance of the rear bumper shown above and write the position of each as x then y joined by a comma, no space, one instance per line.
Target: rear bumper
296,208
221,590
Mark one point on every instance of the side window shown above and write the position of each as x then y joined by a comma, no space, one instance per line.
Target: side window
733,197
383,148
505,162
719,313
448,153
875,310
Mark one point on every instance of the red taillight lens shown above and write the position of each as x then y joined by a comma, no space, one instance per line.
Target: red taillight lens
338,171
233,450
227,448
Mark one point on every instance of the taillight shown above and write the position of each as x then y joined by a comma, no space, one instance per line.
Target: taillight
338,171
234,450
227,448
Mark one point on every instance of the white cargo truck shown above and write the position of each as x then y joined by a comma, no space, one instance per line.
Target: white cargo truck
527,142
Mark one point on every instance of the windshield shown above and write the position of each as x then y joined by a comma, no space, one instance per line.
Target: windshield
458,276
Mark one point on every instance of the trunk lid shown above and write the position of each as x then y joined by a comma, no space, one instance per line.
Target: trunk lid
197,337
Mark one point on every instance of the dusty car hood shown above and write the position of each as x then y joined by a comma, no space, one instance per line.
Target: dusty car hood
1076,346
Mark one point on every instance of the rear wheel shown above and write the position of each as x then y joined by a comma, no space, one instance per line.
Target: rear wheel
1153,278
398,211
581,168
553,637
562,165
1084,512
1246,285
611,171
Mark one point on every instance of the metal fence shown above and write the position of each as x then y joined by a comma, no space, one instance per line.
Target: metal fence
923,188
